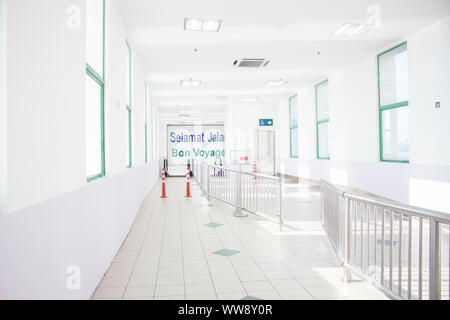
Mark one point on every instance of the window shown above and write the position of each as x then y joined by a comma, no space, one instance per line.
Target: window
293,125
152,130
393,104
145,125
95,90
128,109
323,120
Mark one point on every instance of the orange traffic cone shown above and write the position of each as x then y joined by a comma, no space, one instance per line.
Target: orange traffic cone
163,176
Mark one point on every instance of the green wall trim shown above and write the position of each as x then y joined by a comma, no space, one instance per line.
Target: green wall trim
145,124
100,79
318,122
393,48
291,155
395,105
130,159
387,107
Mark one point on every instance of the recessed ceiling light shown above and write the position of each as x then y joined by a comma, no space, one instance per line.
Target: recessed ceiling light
190,83
274,83
193,24
190,112
352,29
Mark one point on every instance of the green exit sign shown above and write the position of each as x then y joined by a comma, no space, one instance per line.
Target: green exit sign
266,122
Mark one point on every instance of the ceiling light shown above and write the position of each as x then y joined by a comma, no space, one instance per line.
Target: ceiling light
251,99
190,83
190,112
352,29
274,83
212,25
192,24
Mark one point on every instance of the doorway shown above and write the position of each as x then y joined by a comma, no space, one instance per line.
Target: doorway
265,151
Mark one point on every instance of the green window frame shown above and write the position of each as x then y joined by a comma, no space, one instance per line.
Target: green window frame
99,78
129,114
293,126
152,151
145,125
320,122
388,107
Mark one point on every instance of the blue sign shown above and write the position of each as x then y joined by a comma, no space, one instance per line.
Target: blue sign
266,122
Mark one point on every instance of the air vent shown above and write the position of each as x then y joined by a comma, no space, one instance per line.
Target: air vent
251,63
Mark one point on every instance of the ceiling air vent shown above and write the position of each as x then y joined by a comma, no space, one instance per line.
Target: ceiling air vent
251,63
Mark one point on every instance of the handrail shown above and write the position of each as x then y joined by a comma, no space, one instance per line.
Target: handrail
382,241
250,173
255,193
416,211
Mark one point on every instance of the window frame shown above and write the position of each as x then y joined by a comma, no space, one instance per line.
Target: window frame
146,124
100,80
319,122
392,106
291,128
130,155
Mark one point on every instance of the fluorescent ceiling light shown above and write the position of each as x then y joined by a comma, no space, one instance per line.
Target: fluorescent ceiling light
190,83
274,83
190,112
352,29
192,24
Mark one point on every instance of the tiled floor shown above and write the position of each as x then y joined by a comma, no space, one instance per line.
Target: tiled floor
182,248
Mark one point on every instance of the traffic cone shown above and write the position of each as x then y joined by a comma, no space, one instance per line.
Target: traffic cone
188,182
163,176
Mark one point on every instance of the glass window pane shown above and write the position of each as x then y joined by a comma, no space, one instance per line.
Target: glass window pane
93,127
324,140
394,76
94,35
323,109
396,134
293,111
294,142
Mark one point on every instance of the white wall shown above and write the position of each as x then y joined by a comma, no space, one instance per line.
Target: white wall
116,126
46,123
354,127
429,70
3,114
242,119
84,228
57,219
116,97
46,98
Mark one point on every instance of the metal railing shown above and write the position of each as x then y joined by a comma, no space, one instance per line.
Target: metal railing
247,191
401,249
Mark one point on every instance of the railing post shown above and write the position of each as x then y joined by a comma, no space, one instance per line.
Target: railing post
280,194
347,230
208,184
238,212
435,261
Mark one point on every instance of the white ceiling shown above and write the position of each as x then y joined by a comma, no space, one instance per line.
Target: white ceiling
290,32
